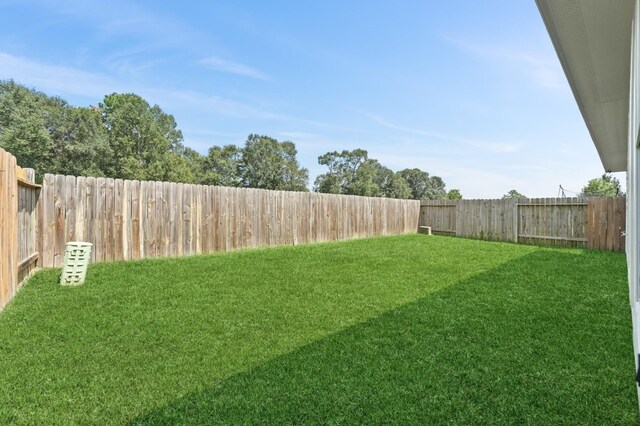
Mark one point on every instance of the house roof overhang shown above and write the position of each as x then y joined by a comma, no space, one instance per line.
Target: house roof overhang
593,41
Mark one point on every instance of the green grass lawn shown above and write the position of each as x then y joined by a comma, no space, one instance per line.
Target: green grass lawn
410,329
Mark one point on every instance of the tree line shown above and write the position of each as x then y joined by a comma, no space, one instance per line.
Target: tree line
604,186
127,138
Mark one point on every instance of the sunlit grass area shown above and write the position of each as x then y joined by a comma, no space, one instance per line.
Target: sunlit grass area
409,329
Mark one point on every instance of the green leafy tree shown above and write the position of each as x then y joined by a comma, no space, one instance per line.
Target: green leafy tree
82,146
354,173
454,194
350,172
269,164
222,166
436,189
418,182
423,186
177,168
390,184
605,186
514,195
24,126
142,138
49,135
124,138
196,163
364,181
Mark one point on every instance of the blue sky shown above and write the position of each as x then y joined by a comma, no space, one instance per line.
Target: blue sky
471,91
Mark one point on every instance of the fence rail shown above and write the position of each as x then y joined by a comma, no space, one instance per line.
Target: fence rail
595,223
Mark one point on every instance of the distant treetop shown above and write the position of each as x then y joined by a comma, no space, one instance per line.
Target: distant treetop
514,195
605,186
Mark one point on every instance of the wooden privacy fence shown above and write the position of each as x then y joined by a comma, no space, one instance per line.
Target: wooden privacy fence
595,223
28,222
135,219
18,225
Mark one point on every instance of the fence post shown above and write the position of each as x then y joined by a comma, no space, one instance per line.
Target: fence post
516,220
8,227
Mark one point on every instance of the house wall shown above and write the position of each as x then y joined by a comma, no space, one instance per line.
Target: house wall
633,185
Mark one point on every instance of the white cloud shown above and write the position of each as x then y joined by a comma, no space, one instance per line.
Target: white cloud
123,18
64,81
489,146
544,70
58,80
309,143
218,64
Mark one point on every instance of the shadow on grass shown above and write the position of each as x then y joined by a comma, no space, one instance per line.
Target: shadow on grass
543,339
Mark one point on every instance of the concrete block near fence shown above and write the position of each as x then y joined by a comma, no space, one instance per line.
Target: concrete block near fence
76,261
426,230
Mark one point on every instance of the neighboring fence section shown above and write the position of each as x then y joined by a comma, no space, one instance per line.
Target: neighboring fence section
18,225
595,223
135,220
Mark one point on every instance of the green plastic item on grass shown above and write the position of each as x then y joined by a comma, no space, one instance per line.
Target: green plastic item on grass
76,260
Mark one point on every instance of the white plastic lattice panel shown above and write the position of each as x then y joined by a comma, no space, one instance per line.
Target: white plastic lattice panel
76,260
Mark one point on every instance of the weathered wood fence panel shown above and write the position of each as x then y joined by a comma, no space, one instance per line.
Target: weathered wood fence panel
553,221
486,219
440,215
28,235
135,220
595,223
606,222
18,225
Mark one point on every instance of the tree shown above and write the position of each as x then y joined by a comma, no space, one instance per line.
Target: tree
196,163
390,184
514,195
436,189
454,194
49,135
354,173
24,126
222,166
124,138
176,168
269,164
605,186
423,186
344,175
82,147
418,182
142,139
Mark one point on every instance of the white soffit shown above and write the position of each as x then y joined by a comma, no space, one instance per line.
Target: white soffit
593,41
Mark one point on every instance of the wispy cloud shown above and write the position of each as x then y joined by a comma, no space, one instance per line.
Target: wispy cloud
490,146
217,104
311,143
472,179
59,80
122,18
544,70
65,81
218,64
